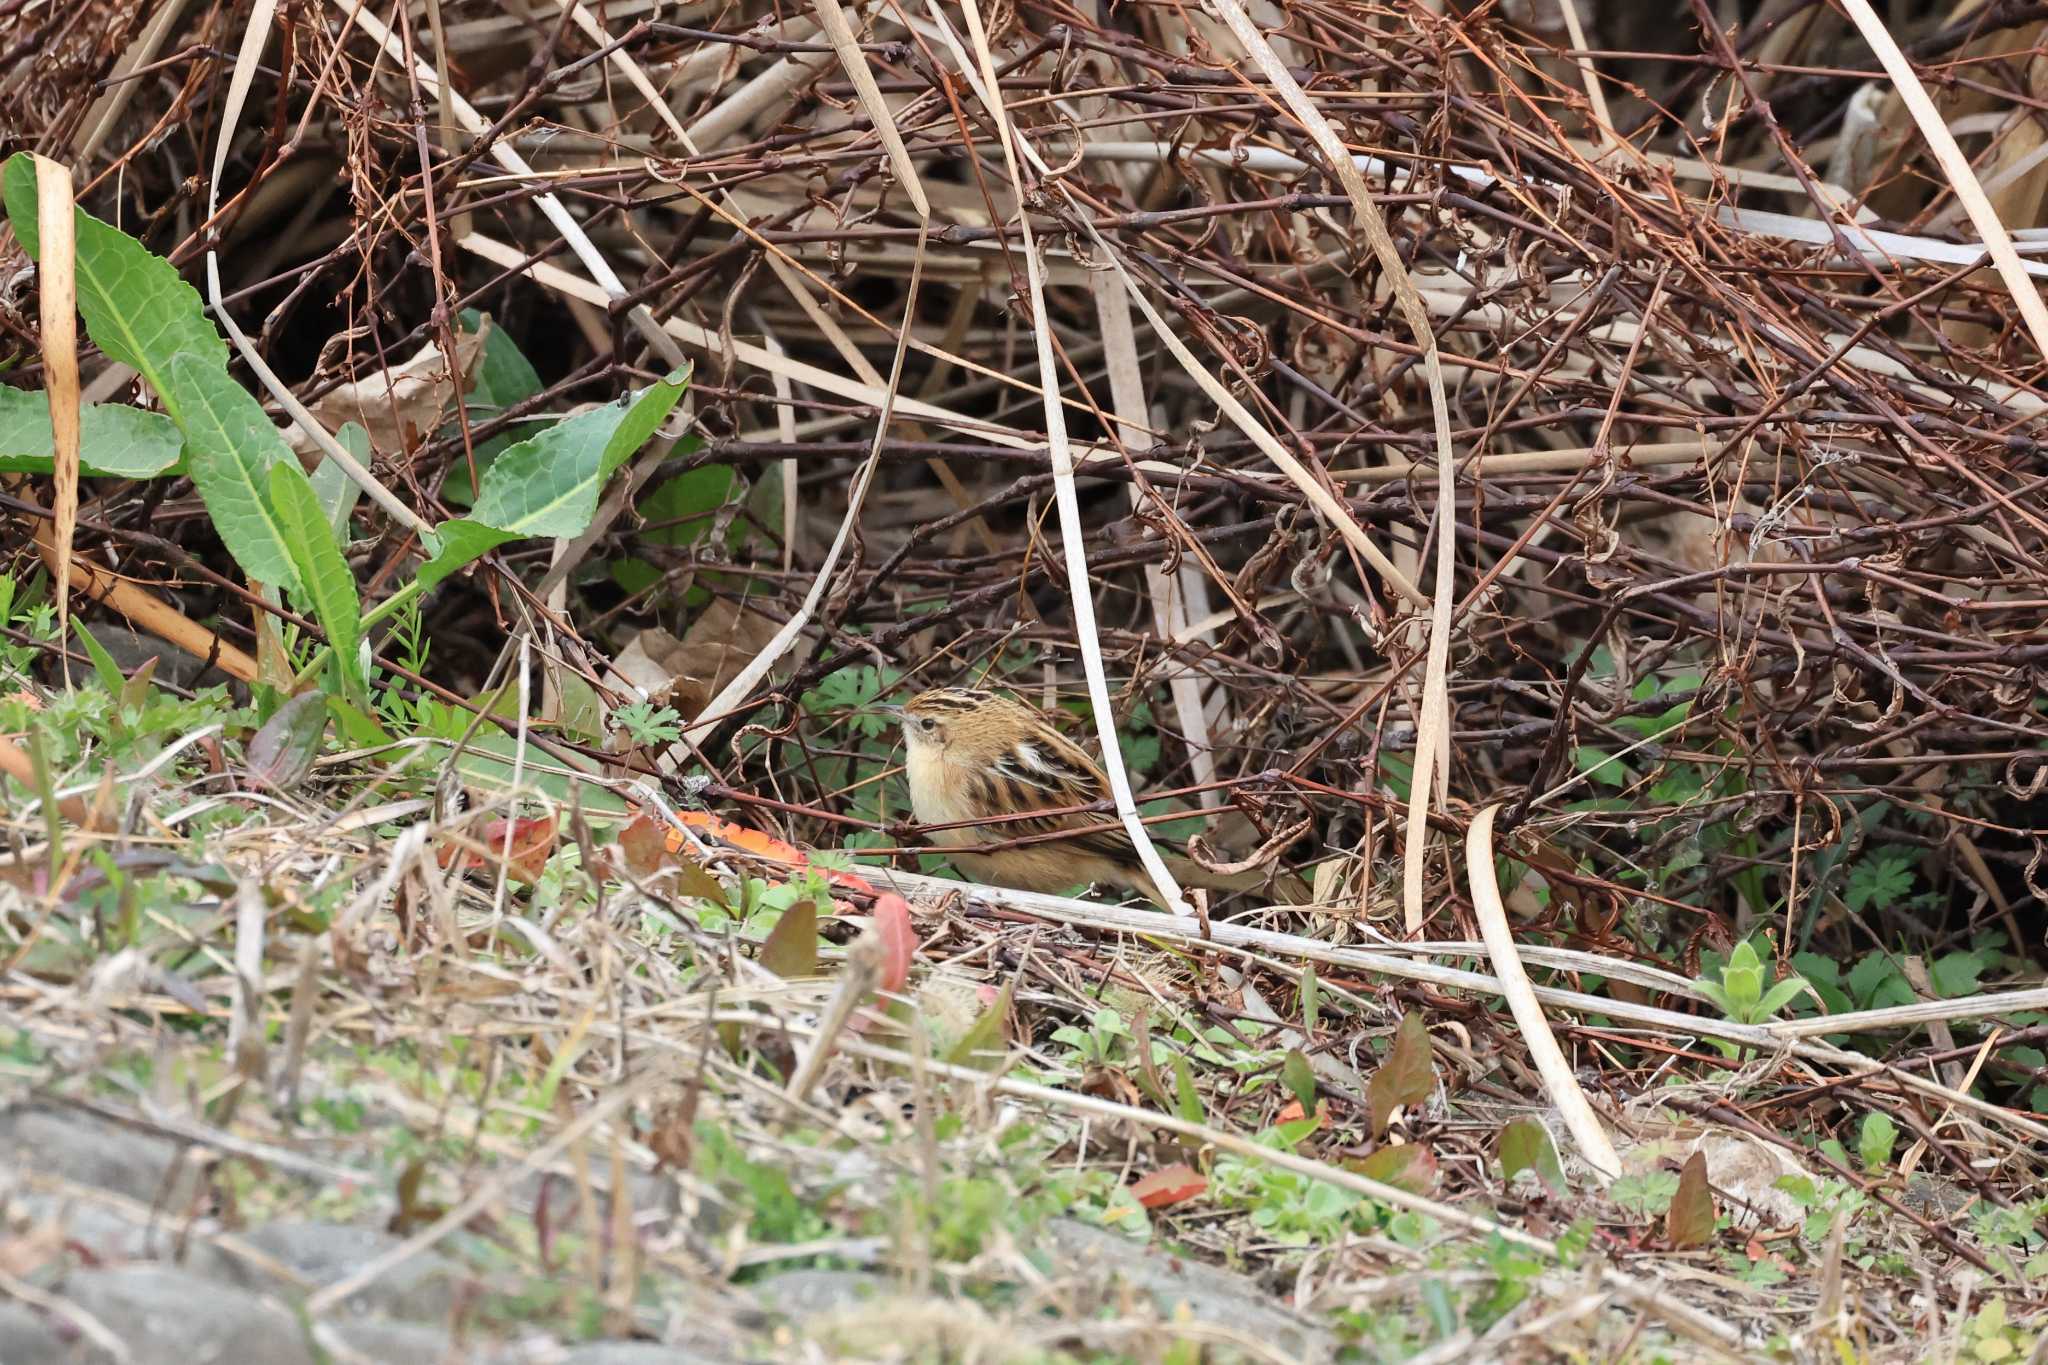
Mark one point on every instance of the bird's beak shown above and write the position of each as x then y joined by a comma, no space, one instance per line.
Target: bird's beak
889,709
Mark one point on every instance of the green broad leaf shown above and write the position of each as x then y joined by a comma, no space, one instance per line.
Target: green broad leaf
338,493
1874,1141
230,449
136,306
634,575
503,374
582,714
791,949
103,664
548,484
282,753
324,576
358,727
114,440
1186,1098
680,511
463,542
1599,767
501,378
1300,1079
1525,1145
1778,996
487,760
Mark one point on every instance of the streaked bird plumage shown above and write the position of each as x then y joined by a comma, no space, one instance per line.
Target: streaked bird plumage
978,756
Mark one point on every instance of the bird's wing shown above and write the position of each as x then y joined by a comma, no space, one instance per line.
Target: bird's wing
1050,771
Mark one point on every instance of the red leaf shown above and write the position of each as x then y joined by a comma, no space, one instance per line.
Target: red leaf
531,843
899,939
1170,1185
644,843
1689,1222
1407,1076
1409,1167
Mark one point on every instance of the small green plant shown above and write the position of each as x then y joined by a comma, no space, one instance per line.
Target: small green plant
644,723
2015,1235
142,313
1989,1338
1646,1194
1826,1202
760,1193
1105,1042
1881,878
1739,993
1875,1140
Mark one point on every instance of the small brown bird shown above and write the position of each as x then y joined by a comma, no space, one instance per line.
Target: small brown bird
978,756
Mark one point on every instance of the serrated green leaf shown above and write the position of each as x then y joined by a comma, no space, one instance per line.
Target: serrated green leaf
324,577
1955,974
114,440
548,484
136,306
1871,971
230,447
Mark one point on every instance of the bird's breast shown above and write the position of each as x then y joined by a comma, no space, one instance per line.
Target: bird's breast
940,794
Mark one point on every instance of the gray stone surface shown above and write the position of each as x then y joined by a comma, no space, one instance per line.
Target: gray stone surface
401,1343
642,1353
185,1301
421,1287
78,1146
172,1317
26,1338
1176,1283
801,1294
